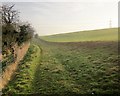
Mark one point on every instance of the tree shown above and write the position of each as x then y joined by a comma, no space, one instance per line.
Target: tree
36,35
9,15
13,33
26,33
9,21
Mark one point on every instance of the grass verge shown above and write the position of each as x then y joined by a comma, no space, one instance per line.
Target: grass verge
23,77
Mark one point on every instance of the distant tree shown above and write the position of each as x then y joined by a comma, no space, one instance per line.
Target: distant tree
36,35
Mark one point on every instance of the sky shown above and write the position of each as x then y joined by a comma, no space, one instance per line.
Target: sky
62,17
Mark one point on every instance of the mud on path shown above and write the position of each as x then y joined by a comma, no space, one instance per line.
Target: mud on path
7,74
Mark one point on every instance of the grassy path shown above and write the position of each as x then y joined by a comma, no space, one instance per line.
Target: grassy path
22,82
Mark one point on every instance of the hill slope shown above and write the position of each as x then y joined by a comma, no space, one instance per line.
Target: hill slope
92,35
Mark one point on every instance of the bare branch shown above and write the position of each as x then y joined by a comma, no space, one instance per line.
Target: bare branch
9,15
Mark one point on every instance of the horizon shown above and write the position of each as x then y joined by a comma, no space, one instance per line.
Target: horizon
79,31
49,18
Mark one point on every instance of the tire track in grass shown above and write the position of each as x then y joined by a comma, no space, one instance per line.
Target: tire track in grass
51,77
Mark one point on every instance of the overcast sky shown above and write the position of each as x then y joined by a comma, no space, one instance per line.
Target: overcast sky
61,17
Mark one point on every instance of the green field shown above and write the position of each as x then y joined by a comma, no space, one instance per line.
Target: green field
92,35
69,68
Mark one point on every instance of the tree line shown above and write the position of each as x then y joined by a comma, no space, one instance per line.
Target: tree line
14,31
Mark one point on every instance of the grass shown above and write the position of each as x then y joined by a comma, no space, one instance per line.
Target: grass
78,68
92,35
23,77
68,69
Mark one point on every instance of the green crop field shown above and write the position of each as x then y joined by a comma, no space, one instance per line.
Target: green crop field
92,35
